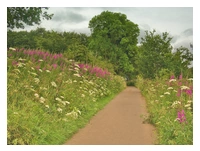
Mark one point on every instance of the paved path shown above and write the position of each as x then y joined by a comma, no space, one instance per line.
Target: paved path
119,123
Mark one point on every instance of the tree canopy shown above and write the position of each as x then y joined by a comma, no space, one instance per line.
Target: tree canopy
19,16
155,55
114,38
112,44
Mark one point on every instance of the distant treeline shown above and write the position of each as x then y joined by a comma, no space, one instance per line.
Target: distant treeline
48,40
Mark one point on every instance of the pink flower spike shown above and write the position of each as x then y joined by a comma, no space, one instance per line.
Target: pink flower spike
189,92
180,77
181,116
14,63
178,93
54,65
172,77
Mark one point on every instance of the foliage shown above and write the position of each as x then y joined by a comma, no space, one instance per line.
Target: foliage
114,38
47,40
51,97
170,106
111,45
19,16
181,61
153,54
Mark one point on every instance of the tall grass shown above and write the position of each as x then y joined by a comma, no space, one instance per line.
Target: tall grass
170,105
51,97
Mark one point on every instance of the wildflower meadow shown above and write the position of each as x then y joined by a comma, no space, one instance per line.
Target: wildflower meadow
170,106
50,97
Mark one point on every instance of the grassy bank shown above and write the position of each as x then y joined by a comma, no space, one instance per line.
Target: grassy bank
51,97
170,106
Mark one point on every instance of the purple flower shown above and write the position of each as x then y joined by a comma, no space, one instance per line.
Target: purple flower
180,77
188,92
172,77
179,83
38,67
181,116
14,63
54,65
178,93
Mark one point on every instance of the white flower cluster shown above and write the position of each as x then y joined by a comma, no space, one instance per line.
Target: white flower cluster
167,93
36,80
60,100
184,87
172,80
175,104
53,84
74,114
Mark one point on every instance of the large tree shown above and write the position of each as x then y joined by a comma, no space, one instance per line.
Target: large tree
154,54
114,38
17,17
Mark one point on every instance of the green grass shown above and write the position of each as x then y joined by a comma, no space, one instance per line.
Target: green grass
49,99
166,99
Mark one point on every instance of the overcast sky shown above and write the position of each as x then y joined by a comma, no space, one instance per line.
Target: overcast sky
178,21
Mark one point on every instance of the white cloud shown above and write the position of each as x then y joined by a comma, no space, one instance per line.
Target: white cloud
173,20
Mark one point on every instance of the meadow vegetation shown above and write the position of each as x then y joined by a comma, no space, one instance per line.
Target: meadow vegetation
170,106
56,81
51,97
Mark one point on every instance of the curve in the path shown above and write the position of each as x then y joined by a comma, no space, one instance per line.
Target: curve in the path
119,123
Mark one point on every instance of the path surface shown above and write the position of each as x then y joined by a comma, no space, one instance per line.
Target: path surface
119,123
